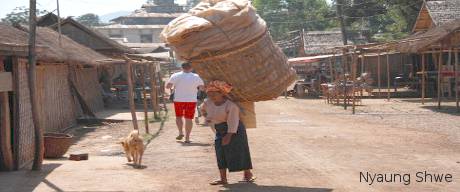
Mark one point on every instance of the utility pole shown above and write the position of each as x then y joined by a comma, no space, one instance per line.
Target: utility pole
339,5
38,134
59,22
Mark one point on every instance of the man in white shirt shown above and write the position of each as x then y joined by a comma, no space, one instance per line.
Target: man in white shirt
186,85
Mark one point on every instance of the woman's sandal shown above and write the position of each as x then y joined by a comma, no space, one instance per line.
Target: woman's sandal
249,180
219,182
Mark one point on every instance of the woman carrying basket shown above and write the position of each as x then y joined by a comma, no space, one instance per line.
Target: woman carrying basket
231,142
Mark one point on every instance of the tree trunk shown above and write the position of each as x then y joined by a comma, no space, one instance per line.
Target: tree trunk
38,154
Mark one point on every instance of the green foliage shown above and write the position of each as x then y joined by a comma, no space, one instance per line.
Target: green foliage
89,20
192,3
376,20
292,15
19,15
381,20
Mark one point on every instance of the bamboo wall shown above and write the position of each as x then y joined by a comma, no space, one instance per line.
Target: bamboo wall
56,103
396,67
23,127
87,83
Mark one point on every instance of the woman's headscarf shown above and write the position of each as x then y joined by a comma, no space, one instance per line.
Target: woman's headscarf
220,86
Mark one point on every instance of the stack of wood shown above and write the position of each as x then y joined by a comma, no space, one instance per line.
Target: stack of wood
226,40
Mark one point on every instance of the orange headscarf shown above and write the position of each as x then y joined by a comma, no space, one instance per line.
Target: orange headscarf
219,86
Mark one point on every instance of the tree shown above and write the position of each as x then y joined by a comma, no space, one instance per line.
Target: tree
192,3
19,15
89,19
381,20
294,15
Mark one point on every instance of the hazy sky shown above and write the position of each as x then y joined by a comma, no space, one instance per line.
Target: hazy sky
77,7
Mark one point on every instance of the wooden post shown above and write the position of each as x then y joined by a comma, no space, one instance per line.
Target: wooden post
345,95
448,67
439,78
5,132
144,95
59,22
163,99
423,79
379,76
330,68
153,90
38,134
456,81
354,68
362,63
5,129
132,106
388,76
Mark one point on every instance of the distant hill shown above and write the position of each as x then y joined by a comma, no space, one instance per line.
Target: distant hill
109,16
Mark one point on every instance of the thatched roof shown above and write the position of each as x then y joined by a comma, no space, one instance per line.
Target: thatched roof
437,12
321,42
443,11
431,38
423,41
70,51
113,45
47,20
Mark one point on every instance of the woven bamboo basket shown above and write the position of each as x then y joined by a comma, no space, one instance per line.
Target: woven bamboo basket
56,144
258,70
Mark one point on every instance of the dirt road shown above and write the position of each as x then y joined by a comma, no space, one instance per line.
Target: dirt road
300,145
305,145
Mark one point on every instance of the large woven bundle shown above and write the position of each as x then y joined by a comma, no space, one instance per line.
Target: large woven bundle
226,40
258,71
212,27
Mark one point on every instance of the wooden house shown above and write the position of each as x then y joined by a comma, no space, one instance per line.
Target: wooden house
434,49
435,13
67,88
85,36
94,40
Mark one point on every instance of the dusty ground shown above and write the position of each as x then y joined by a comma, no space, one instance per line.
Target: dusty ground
300,145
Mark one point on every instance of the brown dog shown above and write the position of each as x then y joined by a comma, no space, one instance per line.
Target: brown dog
134,147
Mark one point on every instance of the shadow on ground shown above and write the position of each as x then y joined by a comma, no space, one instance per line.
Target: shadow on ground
419,100
10,181
263,188
193,144
162,121
451,110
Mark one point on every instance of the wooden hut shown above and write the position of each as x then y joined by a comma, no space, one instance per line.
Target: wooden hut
85,36
435,13
435,55
67,87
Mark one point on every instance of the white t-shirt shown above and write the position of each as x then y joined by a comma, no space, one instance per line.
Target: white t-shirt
185,86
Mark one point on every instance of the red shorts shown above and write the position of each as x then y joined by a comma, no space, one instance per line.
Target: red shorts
185,109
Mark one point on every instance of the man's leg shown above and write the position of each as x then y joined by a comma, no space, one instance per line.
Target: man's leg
180,125
188,128
189,115
179,109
